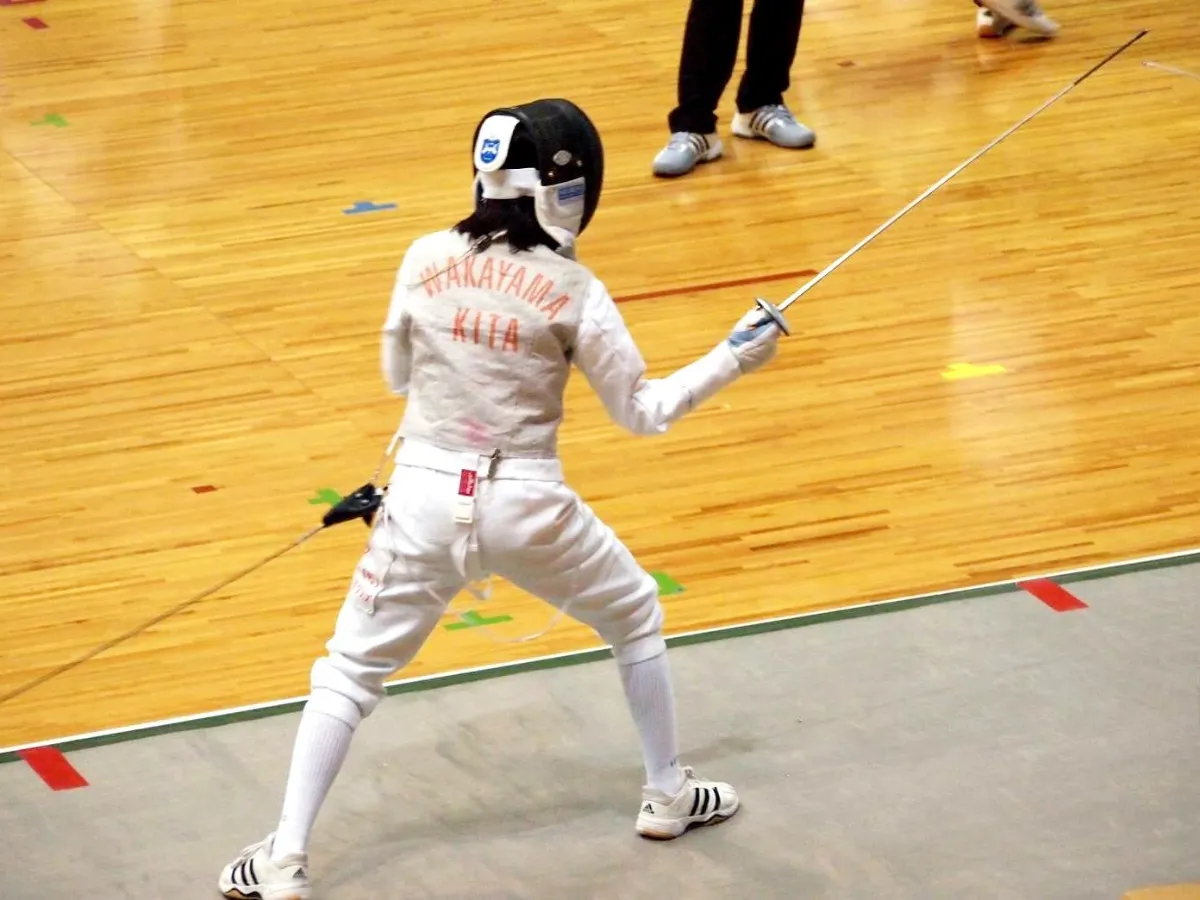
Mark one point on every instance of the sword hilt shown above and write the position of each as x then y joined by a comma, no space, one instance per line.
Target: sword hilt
775,314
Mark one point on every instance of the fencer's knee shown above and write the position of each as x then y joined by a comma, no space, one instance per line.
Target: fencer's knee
334,675
637,635
331,703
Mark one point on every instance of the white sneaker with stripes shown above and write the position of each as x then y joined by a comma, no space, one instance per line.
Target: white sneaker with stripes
253,875
684,151
698,802
776,124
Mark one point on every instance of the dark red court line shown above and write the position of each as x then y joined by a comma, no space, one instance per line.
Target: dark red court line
716,285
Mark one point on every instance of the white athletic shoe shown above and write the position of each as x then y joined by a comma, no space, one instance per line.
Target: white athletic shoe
1026,13
991,25
774,123
684,151
254,875
698,802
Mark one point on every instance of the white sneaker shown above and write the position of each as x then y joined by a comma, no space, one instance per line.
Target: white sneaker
1026,13
776,124
698,802
991,25
254,875
684,151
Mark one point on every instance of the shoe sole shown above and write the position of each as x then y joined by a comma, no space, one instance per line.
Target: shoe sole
992,33
652,835
234,894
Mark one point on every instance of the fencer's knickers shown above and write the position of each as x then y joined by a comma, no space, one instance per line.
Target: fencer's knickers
520,522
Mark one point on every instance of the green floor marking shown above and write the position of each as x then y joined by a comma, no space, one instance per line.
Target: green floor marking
326,495
666,584
472,619
53,119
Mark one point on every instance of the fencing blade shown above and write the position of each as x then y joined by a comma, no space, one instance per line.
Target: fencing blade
776,312
145,626
362,503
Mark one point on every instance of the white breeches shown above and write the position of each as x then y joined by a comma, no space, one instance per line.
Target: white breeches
537,534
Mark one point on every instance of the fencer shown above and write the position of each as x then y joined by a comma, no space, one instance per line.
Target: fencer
484,324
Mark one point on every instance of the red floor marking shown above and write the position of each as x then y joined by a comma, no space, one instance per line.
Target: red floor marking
1054,596
52,767
35,23
17,2
715,285
204,489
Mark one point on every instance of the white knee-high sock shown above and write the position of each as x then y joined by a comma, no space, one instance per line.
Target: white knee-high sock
652,703
321,746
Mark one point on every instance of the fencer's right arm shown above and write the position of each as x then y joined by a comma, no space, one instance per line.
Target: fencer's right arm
610,360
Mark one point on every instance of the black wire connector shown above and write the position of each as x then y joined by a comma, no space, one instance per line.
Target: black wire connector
362,504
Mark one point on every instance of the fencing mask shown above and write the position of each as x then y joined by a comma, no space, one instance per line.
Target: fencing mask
548,150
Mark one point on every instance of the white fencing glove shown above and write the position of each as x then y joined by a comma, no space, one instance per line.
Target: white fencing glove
754,340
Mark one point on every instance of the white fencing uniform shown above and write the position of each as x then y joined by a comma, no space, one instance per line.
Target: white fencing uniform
482,345
481,340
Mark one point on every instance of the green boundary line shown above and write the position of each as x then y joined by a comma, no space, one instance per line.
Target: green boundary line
575,658
472,618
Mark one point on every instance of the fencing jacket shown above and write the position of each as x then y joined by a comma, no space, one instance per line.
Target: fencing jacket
482,345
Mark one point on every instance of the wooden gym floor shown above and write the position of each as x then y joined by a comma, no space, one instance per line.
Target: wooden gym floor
190,317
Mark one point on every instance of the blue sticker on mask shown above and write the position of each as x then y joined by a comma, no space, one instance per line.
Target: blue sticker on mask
571,192
490,150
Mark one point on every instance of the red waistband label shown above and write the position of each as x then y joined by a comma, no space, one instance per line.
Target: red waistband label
466,483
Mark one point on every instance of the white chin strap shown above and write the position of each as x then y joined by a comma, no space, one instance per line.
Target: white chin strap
509,184
560,218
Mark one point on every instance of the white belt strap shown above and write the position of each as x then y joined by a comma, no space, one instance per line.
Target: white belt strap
427,456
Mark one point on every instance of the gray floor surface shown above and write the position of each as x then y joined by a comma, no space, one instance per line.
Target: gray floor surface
978,749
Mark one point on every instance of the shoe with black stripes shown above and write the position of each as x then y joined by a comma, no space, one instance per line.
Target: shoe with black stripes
698,802
255,876
684,151
774,123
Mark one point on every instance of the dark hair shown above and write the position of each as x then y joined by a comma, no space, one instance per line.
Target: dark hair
515,218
